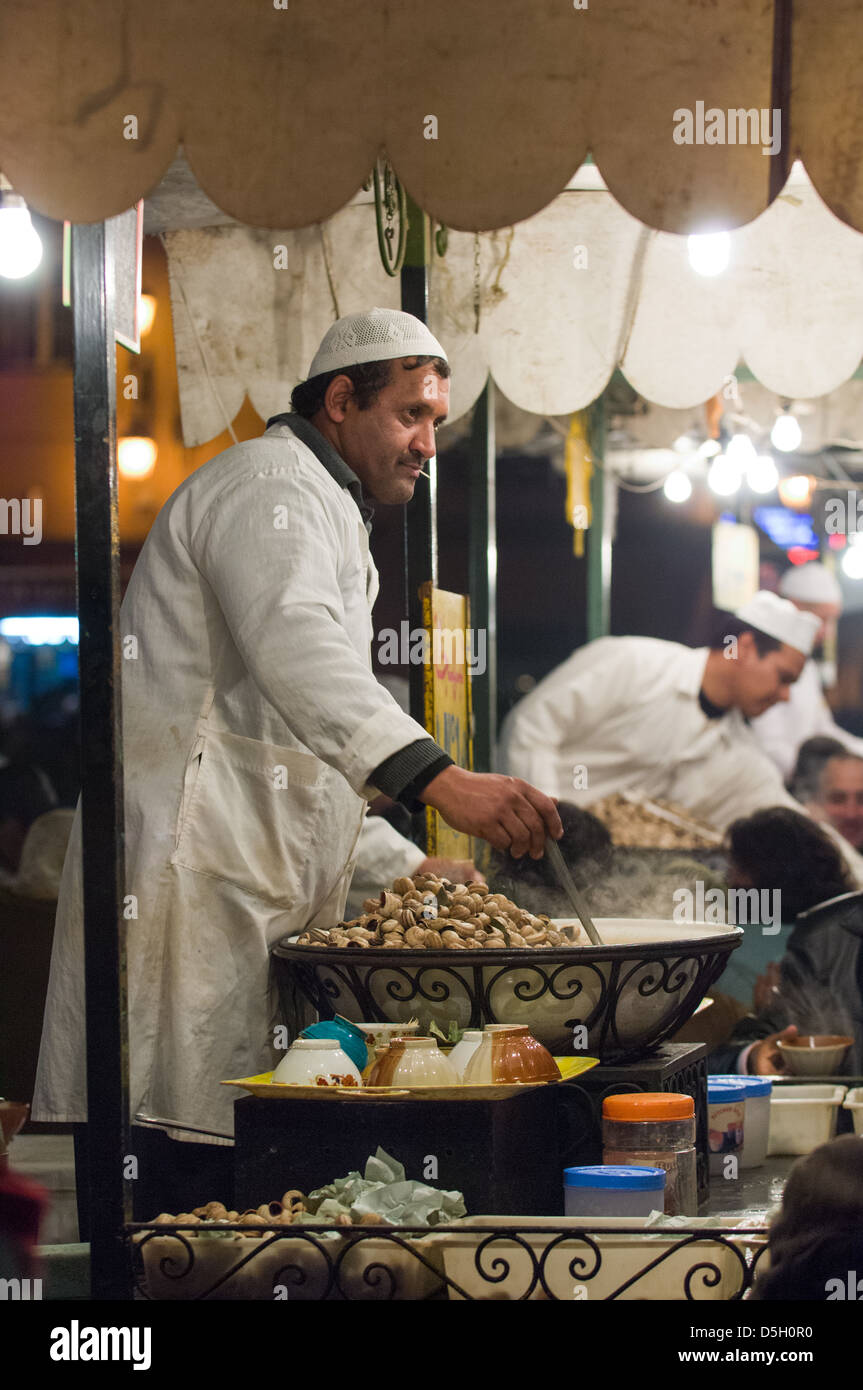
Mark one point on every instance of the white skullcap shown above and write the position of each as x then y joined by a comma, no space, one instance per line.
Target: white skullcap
810,583
780,619
376,335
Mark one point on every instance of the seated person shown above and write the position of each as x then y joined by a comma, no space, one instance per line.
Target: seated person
817,1238
817,986
838,796
797,866
812,754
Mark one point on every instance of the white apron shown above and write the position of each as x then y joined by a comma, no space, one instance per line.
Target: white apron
252,723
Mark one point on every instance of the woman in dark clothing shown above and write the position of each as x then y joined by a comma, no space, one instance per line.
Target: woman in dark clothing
818,987
815,1245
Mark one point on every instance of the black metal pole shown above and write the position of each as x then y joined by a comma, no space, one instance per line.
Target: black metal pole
421,560
482,562
98,578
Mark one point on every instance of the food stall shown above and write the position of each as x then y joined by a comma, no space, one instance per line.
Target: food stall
92,173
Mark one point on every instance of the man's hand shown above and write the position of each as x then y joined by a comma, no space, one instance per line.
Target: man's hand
511,814
765,1059
456,870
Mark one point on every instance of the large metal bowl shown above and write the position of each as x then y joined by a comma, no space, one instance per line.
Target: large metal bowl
630,993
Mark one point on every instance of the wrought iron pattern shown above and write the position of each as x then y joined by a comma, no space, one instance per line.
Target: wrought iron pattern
606,987
400,1263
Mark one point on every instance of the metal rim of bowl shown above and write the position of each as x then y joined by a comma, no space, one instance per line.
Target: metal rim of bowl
504,955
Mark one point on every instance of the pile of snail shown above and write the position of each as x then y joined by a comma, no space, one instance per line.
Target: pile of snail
433,914
283,1213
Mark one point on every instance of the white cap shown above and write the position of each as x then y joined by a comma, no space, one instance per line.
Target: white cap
780,619
810,583
376,335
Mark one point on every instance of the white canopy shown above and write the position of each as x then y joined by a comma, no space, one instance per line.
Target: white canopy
565,297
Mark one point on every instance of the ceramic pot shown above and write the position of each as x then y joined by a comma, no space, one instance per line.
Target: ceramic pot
464,1050
508,1054
413,1062
314,1062
815,1054
350,1038
382,1033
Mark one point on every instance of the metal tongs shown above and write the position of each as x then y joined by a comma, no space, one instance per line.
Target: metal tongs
564,878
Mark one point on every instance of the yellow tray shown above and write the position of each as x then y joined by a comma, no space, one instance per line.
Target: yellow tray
264,1087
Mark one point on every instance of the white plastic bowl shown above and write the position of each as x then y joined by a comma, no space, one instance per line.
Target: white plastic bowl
802,1117
310,1058
854,1102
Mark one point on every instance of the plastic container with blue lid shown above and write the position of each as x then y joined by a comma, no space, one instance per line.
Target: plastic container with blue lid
756,1091
613,1190
726,1111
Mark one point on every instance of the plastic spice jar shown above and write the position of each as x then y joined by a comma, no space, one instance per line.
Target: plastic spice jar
655,1129
726,1102
613,1191
757,1091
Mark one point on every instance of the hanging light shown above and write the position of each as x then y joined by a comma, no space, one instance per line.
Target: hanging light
796,491
786,433
852,560
724,477
146,313
709,252
762,474
136,456
710,448
684,444
740,451
677,486
20,243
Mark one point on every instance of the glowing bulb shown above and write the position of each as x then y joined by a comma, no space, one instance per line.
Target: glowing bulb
710,448
677,486
724,477
796,491
852,562
684,444
146,313
740,451
709,252
136,456
20,244
762,475
786,433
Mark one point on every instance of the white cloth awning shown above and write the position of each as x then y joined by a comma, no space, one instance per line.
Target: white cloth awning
566,297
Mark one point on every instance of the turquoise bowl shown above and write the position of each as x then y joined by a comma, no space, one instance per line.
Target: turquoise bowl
351,1039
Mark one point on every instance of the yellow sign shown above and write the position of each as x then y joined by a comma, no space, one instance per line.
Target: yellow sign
446,618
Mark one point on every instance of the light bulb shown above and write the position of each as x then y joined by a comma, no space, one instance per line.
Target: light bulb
762,474
684,444
146,313
20,243
710,448
709,252
136,456
723,476
740,451
786,433
852,562
796,491
677,486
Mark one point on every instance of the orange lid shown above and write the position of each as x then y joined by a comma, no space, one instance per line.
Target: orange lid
648,1105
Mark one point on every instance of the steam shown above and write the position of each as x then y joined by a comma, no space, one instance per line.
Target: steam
625,885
